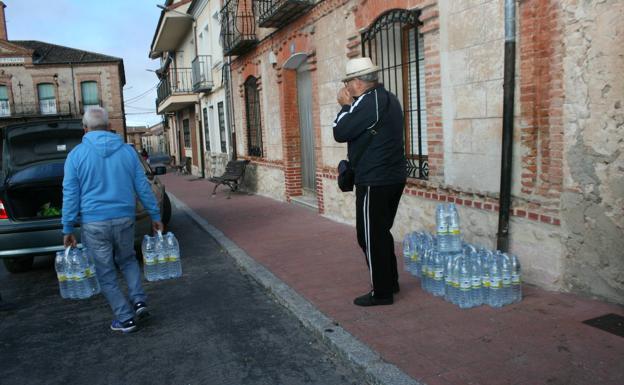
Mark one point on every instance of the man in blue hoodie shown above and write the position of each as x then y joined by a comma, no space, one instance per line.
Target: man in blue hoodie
103,175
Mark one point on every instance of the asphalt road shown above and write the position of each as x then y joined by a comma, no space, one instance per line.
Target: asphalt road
214,325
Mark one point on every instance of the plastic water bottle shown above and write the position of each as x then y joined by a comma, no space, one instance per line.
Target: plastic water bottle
424,272
78,274
465,283
150,259
407,254
448,277
60,266
486,260
415,240
408,250
496,283
516,280
442,228
476,291
92,284
172,249
437,275
454,234
162,267
506,297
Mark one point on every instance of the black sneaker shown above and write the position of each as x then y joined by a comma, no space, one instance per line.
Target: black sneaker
125,327
369,299
140,309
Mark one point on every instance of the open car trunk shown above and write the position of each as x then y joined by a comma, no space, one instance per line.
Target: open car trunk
35,192
33,159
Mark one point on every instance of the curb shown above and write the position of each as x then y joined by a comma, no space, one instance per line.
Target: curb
357,354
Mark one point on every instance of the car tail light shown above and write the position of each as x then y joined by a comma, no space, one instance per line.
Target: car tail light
3,213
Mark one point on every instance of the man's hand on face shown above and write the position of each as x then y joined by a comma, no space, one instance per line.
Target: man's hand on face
344,97
69,240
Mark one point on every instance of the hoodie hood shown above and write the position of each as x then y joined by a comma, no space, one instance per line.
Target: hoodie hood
104,143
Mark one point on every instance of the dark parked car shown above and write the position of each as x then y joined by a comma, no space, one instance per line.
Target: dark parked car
159,159
33,156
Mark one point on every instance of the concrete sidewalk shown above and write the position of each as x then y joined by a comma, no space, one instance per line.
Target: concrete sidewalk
541,340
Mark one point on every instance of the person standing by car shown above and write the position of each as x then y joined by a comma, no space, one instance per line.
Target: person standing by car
371,122
103,175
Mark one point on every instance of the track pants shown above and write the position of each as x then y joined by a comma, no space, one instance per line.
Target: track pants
376,207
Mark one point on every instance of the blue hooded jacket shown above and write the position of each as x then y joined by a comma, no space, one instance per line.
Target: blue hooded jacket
103,176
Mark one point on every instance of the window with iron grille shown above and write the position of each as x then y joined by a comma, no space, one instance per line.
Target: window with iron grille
186,131
394,43
222,134
206,128
252,107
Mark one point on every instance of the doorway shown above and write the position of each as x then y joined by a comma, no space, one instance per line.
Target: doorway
306,130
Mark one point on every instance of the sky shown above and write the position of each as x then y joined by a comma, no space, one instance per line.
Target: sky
120,28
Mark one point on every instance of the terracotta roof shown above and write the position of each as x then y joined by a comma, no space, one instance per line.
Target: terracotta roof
46,53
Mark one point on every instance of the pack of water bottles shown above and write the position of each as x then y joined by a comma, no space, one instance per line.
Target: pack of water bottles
75,270
461,273
161,257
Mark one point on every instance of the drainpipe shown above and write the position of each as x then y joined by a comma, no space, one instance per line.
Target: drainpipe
229,106
502,242
202,139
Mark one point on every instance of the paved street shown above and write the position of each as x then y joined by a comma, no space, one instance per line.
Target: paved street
212,326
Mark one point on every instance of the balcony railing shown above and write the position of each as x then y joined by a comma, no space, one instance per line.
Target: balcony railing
177,81
277,13
238,27
202,73
29,110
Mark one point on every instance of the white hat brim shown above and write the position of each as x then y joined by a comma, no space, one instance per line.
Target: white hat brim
360,73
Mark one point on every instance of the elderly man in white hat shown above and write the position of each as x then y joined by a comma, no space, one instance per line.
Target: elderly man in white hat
371,123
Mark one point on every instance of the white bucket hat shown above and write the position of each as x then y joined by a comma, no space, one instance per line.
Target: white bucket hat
358,67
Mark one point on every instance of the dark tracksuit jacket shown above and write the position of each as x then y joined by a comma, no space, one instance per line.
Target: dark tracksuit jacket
380,176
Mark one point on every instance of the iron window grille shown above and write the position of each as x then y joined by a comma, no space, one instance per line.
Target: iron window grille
222,135
206,129
394,43
186,132
254,127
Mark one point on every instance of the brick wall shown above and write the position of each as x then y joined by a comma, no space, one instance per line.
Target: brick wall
541,98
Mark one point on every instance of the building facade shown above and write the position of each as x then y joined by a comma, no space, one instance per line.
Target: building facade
287,61
134,136
191,92
154,140
42,81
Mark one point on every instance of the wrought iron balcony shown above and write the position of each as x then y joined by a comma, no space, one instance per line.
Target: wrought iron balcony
45,108
277,13
177,81
202,73
238,27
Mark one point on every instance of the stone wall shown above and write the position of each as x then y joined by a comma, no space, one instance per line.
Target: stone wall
593,200
264,180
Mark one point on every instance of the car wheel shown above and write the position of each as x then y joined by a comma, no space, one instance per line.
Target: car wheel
166,212
18,265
